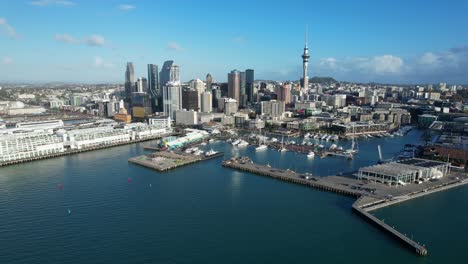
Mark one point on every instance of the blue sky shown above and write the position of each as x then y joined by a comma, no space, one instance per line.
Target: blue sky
396,41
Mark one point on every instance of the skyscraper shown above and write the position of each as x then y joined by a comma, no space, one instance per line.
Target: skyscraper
305,64
209,82
243,96
141,85
172,98
206,102
190,100
154,88
249,84
234,85
129,83
169,73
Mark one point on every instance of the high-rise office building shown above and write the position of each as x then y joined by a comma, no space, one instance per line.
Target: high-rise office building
284,93
129,83
206,102
169,73
172,98
141,85
249,84
209,82
154,88
190,100
234,85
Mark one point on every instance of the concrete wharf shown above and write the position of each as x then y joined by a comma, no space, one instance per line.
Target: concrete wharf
169,160
371,196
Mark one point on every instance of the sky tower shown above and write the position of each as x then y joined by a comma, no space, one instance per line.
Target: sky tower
305,64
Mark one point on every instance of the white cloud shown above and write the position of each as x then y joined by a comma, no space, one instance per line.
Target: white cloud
329,63
95,40
7,60
9,30
126,7
52,2
66,38
387,64
174,46
100,63
429,58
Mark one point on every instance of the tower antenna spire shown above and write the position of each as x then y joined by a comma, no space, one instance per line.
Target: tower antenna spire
307,35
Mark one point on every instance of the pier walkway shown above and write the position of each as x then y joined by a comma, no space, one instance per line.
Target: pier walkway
370,196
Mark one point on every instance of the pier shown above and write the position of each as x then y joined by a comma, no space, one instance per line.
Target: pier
169,160
371,196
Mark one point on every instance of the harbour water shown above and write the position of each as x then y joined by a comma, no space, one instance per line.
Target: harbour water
95,207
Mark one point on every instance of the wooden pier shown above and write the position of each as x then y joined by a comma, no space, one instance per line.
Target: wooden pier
336,184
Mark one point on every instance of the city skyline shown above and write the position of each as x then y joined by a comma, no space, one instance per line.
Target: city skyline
82,41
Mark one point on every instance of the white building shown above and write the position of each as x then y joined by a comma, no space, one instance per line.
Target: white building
273,108
162,122
29,145
185,117
172,98
94,137
206,102
230,106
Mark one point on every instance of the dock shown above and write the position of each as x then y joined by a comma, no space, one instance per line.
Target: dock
370,196
168,160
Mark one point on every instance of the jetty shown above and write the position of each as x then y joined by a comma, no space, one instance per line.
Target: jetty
370,196
169,160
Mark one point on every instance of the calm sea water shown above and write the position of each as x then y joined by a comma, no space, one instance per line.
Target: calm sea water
84,209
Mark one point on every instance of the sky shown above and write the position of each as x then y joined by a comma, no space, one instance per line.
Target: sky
397,41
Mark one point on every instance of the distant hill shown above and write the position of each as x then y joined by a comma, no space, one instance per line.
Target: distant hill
322,80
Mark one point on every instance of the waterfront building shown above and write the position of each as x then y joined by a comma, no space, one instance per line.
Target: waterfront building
36,125
161,122
404,172
29,145
234,85
184,117
172,98
191,136
206,102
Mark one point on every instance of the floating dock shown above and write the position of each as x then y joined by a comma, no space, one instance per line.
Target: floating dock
370,196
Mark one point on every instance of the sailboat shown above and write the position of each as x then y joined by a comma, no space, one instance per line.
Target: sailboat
352,150
282,149
261,146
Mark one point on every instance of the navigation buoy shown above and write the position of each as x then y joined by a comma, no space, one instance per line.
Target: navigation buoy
59,186
129,180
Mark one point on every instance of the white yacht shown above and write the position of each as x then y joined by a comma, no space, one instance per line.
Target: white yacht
242,143
311,155
261,147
